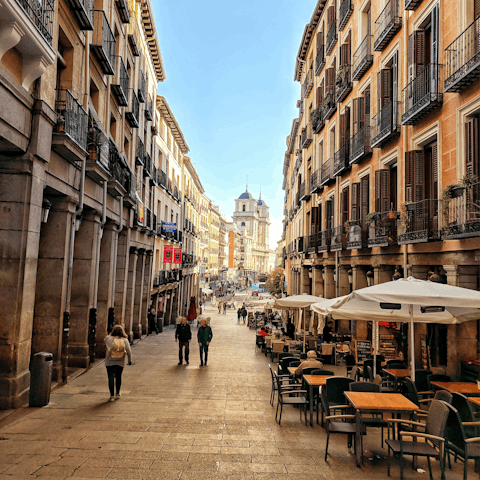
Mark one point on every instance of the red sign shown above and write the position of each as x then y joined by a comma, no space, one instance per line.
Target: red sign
167,253
177,256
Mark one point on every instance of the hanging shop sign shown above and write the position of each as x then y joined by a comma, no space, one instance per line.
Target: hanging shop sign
167,253
168,227
140,213
177,255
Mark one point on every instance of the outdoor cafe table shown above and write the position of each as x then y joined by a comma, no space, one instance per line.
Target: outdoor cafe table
314,381
469,389
378,402
397,373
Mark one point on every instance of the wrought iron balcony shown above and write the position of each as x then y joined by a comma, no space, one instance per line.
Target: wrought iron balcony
338,240
462,59
142,87
383,231
133,115
360,147
301,245
462,214
169,186
315,185
103,42
83,11
307,85
323,240
362,58
316,119
329,104
149,108
340,163
300,109
412,4
357,235
121,180
305,191
385,124
320,59
162,178
422,94
42,16
327,172
343,83
133,38
147,169
140,153
120,84
154,174
388,23
422,222
331,38
307,136
346,10
159,278
97,165
123,12
148,219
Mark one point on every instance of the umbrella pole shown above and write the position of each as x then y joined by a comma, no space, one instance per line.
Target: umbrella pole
412,346
375,336
302,316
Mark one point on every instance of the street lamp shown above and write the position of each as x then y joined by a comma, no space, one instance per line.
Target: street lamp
370,276
46,206
350,276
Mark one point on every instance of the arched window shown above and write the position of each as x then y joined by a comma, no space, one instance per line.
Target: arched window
243,223
243,208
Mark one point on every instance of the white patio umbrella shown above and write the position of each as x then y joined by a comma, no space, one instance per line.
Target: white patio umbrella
406,300
207,291
295,302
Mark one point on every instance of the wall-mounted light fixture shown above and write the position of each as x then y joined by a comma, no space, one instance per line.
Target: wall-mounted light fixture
350,276
46,206
310,272
370,276
335,275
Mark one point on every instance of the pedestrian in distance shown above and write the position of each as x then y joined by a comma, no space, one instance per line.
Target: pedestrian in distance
118,347
239,314
290,329
204,337
244,314
224,308
219,307
183,335
152,321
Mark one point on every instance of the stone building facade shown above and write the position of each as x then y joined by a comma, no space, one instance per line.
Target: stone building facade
382,162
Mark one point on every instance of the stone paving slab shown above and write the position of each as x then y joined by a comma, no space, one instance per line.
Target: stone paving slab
183,423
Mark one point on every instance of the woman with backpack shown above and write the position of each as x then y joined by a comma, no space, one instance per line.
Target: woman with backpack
117,347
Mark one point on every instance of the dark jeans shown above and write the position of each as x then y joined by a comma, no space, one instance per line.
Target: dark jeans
180,351
203,348
114,373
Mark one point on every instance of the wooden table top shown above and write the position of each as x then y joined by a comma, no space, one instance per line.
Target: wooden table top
397,372
459,387
475,400
360,364
380,401
316,380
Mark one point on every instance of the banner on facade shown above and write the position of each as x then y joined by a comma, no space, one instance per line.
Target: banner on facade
140,213
169,227
177,255
167,253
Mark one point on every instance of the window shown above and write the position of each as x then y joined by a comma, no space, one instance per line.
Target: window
387,91
330,213
472,164
344,199
361,111
243,208
360,204
242,224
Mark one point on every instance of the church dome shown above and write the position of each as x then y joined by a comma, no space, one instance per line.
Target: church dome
261,202
245,196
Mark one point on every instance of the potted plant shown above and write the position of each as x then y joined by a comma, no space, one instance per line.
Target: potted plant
404,215
372,217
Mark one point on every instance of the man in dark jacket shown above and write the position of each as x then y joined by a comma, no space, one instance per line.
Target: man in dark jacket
204,337
183,335
290,329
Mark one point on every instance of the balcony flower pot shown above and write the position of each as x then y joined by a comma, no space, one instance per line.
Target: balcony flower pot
457,191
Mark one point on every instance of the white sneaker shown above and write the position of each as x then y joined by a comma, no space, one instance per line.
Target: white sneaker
117,396
112,399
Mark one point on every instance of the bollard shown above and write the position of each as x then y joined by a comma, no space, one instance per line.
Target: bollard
40,379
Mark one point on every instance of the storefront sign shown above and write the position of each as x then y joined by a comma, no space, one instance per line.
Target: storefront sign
169,227
167,253
140,213
177,255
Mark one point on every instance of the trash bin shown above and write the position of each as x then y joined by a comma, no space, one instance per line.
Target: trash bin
41,379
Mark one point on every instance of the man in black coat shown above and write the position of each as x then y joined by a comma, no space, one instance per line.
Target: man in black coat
290,329
183,335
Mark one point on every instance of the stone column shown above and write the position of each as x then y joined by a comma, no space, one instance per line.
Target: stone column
317,282
147,285
121,277
329,283
382,274
138,295
343,283
51,283
106,281
359,277
305,281
131,283
418,271
83,289
452,274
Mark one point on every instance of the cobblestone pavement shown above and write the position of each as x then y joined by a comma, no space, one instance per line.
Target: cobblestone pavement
183,422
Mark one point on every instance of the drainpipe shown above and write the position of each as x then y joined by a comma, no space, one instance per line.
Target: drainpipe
99,242
111,310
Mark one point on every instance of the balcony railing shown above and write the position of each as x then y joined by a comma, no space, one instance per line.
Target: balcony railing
307,85
142,86
133,115
327,172
329,105
315,185
324,240
412,4
320,60
422,222
149,108
162,178
305,191
385,124
307,136
331,37
120,84
42,16
120,174
300,106
301,245
148,219
343,83
462,214
72,119
140,153
103,42
422,94
346,10
357,235
387,25
340,163
462,59
147,169
338,240
123,12
154,174
360,146
383,231
362,58
83,11
316,119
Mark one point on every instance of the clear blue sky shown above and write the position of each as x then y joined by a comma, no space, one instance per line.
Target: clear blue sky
229,68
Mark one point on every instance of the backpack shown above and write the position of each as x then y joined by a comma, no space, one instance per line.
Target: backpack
117,349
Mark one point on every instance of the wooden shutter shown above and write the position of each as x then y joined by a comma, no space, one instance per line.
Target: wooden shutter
344,205
386,86
382,190
409,162
349,49
355,201
419,176
378,188
344,54
435,171
476,8
319,217
364,196
471,147
342,129
331,16
434,51
365,115
355,107
313,219
319,40
329,79
347,125
394,90
419,51
329,220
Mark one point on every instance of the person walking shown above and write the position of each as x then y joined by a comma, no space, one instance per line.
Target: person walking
204,337
118,347
239,314
220,307
192,310
152,321
183,335
244,314
290,329
224,308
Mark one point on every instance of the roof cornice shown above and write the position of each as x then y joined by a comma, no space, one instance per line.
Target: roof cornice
152,40
193,173
167,114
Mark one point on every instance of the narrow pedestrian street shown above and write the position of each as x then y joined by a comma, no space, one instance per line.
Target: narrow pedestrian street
181,422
